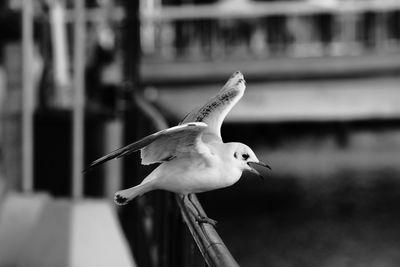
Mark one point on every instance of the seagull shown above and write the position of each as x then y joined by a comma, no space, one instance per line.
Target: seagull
192,156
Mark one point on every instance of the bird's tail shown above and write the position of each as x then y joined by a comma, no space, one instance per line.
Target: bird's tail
123,197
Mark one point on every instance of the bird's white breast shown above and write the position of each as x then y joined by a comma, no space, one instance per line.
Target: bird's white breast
196,174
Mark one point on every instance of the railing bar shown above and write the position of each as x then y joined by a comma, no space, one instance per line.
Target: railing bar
210,244
218,11
27,97
151,112
97,14
78,106
194,230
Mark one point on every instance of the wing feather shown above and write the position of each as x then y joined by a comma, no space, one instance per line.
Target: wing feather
215,110
159,146
172,145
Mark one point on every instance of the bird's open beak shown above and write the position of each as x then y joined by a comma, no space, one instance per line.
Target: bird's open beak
261,164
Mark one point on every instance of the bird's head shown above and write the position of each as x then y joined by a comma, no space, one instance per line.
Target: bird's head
245,158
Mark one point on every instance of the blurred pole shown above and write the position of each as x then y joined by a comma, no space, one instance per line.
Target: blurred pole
62,87
78,107
27,96
113,170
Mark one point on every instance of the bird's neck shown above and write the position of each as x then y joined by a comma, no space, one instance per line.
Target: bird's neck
230,170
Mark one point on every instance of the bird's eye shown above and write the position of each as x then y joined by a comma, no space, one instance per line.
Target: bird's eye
245,156
235,155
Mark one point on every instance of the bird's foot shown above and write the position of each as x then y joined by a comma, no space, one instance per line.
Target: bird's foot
204,219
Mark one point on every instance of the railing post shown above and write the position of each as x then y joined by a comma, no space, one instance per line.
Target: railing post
78,105
27,97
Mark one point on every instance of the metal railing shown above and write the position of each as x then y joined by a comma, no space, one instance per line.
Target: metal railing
211,246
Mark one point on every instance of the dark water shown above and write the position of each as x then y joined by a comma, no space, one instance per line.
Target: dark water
350,218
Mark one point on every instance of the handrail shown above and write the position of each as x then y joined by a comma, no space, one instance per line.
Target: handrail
210,244
151,112
259,9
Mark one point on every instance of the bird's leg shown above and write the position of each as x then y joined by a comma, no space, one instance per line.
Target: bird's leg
196,213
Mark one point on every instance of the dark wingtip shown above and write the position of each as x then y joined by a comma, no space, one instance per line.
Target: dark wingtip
120,200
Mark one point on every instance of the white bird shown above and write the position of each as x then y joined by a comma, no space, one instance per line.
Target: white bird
193,156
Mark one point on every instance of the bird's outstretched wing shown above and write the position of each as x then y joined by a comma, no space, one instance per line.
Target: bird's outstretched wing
162,145
215,110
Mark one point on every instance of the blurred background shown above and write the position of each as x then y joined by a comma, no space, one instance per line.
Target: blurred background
322,107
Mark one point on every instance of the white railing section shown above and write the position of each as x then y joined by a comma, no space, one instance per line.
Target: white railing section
269,29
